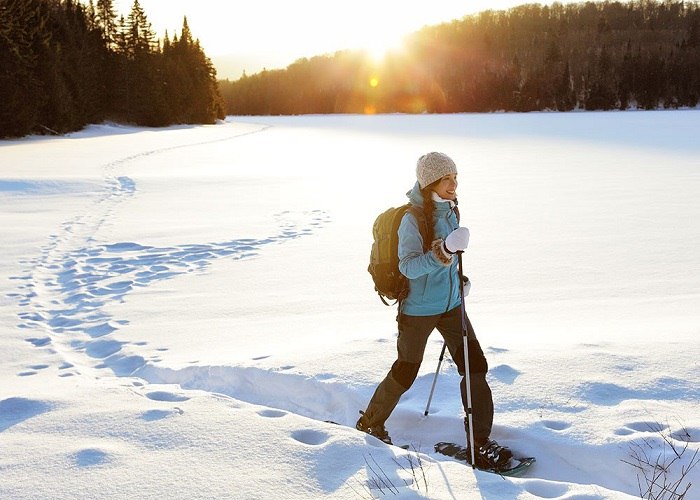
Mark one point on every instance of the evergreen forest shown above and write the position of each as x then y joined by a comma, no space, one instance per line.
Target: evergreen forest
65,64
642,54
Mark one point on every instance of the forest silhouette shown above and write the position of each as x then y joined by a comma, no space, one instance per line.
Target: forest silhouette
594,56
65,64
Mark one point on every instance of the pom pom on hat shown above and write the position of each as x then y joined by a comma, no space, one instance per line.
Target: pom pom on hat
433,166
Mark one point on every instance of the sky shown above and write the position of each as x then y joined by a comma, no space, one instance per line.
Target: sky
268,34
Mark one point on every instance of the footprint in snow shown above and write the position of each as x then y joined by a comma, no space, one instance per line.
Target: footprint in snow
91,457
100,330
545,489
272,413
496,350
153,415
682,435
505,374
687,435
16,409
39,342
169,397
556,425
641,426
32,370
310,437
101,349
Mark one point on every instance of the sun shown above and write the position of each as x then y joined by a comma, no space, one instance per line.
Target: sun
379,45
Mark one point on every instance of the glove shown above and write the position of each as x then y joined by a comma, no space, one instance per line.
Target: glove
457,240
466,285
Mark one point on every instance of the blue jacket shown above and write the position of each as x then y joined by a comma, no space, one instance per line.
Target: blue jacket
434,286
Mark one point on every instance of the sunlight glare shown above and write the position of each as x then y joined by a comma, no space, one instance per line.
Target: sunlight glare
379,46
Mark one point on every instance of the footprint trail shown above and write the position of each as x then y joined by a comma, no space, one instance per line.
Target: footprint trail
63,305
63,292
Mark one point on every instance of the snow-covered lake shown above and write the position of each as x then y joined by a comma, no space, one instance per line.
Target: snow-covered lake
182,309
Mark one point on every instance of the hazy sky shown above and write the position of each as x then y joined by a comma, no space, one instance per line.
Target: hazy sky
258,34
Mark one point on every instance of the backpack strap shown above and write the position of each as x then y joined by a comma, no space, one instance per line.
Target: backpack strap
417,212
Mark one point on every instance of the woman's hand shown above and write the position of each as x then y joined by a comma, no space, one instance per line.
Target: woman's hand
457,240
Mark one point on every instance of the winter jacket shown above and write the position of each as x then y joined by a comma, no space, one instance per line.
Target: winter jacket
433,276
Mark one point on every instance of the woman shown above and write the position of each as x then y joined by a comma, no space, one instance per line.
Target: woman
434,302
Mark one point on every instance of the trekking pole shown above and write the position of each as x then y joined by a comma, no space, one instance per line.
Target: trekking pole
467,377
437,370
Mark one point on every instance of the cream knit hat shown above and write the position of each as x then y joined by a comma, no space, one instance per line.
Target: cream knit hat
433,166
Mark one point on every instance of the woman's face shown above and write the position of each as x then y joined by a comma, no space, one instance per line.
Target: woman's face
446,187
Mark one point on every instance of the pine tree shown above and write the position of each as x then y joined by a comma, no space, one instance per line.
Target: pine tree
191,82
23,36
140,38
106,19
91,15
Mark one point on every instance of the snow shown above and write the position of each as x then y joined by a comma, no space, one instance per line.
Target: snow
183,309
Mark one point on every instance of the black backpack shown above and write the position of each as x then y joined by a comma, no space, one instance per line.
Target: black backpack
384,258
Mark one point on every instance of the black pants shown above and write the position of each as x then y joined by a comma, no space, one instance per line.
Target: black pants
413,337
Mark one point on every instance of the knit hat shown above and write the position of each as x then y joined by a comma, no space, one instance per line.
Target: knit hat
432,167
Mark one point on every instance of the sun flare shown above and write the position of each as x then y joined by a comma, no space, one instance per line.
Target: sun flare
379,46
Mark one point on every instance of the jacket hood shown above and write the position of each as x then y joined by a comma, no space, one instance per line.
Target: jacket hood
415,196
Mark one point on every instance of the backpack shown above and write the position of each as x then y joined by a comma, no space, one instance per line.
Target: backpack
384,257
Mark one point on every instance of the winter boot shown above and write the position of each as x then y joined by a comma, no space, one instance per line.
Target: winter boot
491,455
378,431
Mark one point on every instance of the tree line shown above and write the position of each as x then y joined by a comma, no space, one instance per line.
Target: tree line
64,64
607,55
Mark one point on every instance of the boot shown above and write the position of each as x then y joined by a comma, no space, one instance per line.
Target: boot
491,455
378,431
385,398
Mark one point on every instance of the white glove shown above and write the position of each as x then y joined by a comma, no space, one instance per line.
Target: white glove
467,285
457,240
